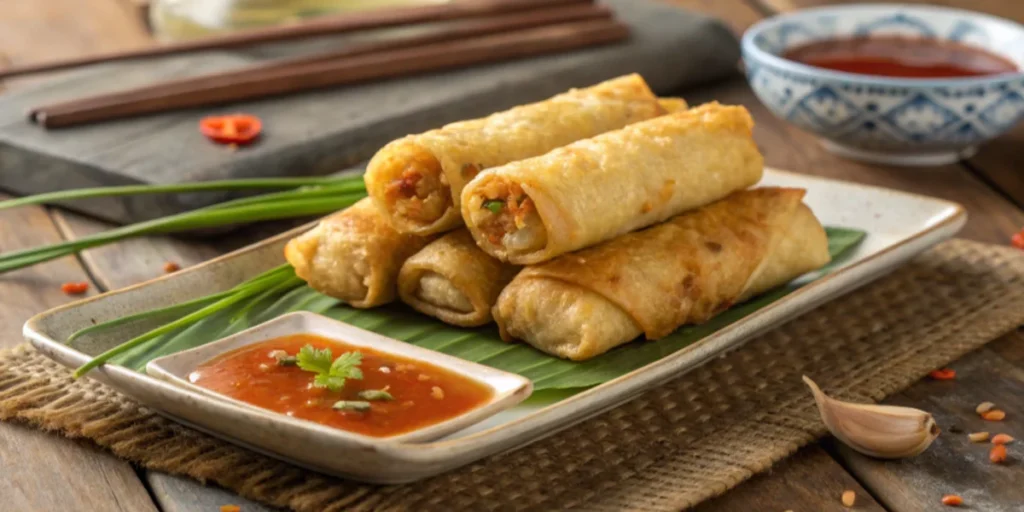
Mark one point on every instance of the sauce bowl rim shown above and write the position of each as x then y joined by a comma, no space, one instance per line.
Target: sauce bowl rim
753,51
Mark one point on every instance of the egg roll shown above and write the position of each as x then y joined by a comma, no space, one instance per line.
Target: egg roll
453,280
593,190
418,179
650,282
353,255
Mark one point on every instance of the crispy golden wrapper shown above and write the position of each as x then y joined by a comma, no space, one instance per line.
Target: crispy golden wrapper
684,271
453,280
353,255
596,189
417,180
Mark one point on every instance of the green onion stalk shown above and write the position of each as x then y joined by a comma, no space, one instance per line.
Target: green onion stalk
296,197
202,186
308,197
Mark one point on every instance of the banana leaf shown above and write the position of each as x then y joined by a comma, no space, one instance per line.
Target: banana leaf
481,345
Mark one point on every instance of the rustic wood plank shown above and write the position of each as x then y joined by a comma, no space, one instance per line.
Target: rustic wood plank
1012,9
135,261
54,29
42,471
180,494
992,218
808,480
131,261
954,465
1001,162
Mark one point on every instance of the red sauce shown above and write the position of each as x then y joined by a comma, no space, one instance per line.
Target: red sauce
901,57
251,375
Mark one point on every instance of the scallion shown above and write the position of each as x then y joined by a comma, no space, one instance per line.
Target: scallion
296,204
178,188
352,405
375,395
494,205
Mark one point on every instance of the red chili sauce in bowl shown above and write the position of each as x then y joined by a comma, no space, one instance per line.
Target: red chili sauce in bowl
394,395
901,57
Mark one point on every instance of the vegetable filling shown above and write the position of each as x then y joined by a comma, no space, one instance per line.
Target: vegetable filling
506,215
421,192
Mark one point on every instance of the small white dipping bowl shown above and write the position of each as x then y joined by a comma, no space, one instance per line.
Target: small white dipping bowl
879,119
507,389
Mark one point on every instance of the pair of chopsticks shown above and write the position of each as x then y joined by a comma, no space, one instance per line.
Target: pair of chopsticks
485,31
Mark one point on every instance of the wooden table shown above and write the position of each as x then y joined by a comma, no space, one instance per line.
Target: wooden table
42,472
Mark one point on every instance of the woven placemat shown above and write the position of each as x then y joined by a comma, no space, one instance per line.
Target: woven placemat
671,448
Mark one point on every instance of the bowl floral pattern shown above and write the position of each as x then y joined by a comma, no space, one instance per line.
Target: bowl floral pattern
885,119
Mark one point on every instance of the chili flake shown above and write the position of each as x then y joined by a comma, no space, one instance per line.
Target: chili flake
74,288
943,374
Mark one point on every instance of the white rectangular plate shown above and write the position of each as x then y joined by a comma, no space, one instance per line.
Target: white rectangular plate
899,226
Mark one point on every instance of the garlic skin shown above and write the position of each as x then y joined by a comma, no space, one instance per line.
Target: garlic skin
880,431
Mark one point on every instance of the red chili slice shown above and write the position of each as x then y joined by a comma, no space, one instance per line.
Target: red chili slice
231,129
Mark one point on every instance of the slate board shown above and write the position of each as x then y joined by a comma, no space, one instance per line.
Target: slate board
323,131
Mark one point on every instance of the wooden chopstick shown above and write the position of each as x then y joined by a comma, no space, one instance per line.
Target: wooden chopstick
457,30
387,64
378,18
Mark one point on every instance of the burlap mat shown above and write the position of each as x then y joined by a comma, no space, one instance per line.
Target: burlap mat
671,448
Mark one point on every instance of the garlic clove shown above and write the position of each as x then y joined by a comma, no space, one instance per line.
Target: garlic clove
881,431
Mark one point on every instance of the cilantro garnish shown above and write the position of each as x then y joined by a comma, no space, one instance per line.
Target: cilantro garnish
330,373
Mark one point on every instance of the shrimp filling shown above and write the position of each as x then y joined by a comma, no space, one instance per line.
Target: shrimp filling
508,218
421,192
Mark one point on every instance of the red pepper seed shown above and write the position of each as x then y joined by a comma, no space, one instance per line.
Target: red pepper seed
998,454
952,500
74,288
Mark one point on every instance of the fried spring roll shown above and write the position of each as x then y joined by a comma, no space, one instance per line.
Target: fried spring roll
684,271
593,190
453,280
353,255
418,179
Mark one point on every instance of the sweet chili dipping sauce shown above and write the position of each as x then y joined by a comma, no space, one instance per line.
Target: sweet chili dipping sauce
901,57
420,394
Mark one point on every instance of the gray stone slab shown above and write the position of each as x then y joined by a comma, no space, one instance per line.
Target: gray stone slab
322,131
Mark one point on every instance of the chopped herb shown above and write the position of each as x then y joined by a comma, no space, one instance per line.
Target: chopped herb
494,205
283,358
376,395
352,405
330,375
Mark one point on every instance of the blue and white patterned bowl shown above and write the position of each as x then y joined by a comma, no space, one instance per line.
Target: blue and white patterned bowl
883,119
